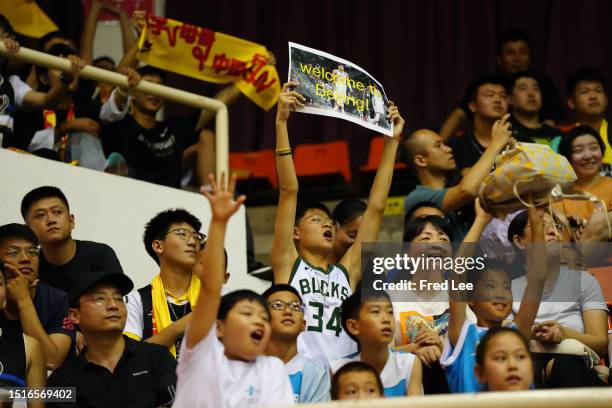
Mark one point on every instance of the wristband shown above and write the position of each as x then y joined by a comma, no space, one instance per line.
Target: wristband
283,152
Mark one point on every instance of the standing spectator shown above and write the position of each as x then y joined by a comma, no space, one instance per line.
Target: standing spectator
64,260
526,102
40,310
160,312
587,98
113,370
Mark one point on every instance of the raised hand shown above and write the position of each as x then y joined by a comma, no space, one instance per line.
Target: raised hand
221,198
133,77
288,101
139,20
11,44
481,213
398,122
501,132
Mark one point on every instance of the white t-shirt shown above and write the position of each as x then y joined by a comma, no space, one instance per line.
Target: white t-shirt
135,316
207,378
572,294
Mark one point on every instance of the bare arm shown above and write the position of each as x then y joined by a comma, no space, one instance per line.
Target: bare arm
211,264
452,123
377,202
89,32
415,385
596,331
129,58
227,95
170,334
464,193
36,370
283,252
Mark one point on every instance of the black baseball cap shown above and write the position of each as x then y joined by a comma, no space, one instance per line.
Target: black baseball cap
86,282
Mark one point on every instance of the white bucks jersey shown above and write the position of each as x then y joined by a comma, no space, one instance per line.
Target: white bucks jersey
322,293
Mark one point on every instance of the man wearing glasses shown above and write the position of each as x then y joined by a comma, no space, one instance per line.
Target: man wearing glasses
40,310
113,370
309,379
160,312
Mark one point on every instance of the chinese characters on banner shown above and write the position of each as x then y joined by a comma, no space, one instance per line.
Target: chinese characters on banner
210,56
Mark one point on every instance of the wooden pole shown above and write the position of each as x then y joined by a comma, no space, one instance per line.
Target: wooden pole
161,91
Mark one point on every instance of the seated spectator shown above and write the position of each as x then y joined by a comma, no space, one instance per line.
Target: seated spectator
21,358
18,95
309,379
572,305
64,260
425,152
587,98
304,236
356,381
503,361
39,310
349,215
513,55
491,301
153,150
526,103
160,312
584,149
367,317
488,104
113,370
222,360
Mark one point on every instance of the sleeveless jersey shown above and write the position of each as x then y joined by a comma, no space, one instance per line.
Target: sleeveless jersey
322,292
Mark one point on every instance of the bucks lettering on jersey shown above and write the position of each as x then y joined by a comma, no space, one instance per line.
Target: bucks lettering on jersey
322,293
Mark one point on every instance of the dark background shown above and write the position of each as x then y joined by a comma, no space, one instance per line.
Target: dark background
423,52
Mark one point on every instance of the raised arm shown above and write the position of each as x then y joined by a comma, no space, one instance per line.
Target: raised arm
89,31
283,252
457,305
210,267
377,201
536,273
452,123
465,192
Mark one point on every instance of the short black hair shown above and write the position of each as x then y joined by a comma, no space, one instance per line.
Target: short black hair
151,70
6,25
511,35
348,209
582,74
353,366
475,274
42,41
351,306
480,81
58,50
565,146
15,230
104,58
511,80
415,227
157,228
303,206
415,207
38,194
280,287
229,301
493,332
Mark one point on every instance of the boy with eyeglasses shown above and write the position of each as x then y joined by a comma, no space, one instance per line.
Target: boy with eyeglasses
160,312
41,311
309,379
113,370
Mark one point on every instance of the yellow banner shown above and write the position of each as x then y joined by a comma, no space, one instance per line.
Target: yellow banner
210,56
27,18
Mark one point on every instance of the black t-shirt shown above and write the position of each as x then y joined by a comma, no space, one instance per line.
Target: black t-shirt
12,355
89,257
524,134
154,155
466,150
51,306
145,376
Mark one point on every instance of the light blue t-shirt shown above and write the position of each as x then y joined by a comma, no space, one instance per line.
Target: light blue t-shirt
459,361
309,380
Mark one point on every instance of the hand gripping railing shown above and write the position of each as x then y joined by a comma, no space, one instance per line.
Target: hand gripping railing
161,91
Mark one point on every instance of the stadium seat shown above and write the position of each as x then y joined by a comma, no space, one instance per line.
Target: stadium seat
260,164
323,159
375,154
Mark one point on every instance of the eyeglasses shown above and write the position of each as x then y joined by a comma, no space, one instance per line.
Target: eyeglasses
551,225
184,234
279,306
103,300
31,252
317,219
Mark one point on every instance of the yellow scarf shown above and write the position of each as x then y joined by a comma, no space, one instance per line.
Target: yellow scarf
161,312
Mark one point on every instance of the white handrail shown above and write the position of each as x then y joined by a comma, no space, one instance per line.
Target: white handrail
557,398
161,91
